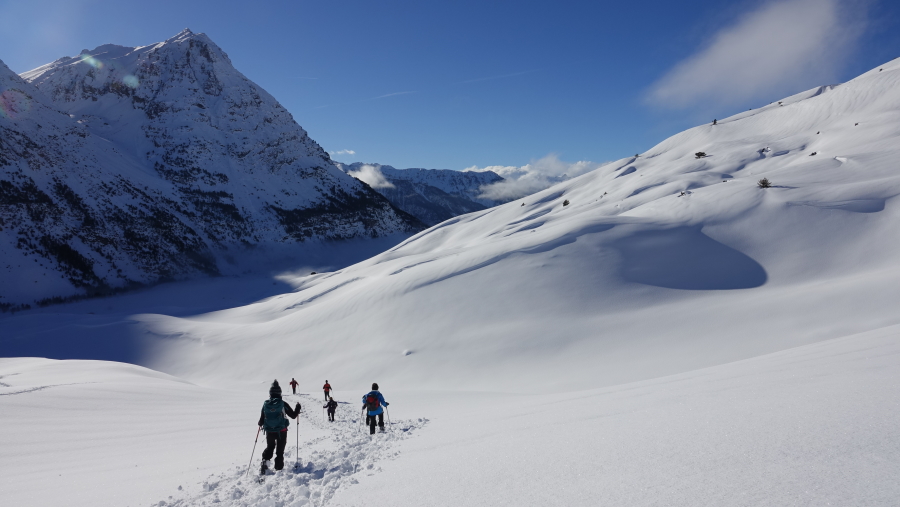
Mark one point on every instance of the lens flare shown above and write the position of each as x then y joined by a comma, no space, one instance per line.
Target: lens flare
93,62
14,103
131,81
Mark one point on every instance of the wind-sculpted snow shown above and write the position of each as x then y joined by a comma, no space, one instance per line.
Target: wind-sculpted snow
125,166
327,465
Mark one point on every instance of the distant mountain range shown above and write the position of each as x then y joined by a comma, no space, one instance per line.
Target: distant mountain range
125,166
431,195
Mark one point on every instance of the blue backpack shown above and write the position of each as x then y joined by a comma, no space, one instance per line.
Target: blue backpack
275,420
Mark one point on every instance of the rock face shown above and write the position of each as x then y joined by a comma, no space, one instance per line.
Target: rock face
126,166
431,195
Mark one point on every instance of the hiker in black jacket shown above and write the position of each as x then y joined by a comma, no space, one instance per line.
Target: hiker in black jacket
273,419
331,406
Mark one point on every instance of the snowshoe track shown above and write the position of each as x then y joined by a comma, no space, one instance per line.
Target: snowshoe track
328,464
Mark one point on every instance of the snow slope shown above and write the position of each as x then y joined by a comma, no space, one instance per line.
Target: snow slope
94,433
125,166
810,426
659,264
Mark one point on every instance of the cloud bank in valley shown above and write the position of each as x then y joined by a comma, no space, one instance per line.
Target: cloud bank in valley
781,47
519,181
371,175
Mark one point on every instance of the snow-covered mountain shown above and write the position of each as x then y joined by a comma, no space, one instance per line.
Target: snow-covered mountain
431,195
462,184
660,331
652,265
125,166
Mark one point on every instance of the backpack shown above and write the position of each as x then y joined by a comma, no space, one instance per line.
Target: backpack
273,411
372,402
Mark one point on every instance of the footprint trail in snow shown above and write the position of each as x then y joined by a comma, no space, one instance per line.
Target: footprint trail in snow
327,464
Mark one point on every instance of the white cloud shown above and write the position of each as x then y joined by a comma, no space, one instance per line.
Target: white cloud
520,181
372,176
342,152
779,48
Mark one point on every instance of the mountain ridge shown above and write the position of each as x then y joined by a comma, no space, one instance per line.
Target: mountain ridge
431,195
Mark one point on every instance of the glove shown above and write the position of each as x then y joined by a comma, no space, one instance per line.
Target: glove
297,408
386,404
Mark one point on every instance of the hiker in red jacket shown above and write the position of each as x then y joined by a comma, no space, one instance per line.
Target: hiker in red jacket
294,385
327,389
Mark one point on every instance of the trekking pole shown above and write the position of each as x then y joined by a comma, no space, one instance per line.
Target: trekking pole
361,417
254,450
297,455
390,425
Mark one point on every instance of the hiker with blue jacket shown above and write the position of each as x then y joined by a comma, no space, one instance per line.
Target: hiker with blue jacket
374,404
274,419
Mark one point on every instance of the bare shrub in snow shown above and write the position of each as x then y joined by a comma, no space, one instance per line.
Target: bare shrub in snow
764,183
700,154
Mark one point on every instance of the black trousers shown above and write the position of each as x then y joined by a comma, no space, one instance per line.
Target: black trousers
294,388
275,441
331,415
326,395
370,421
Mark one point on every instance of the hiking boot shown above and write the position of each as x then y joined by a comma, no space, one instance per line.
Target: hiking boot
263,467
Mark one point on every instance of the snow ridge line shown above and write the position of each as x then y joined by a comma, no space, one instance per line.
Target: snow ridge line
323,293
334,462
39,388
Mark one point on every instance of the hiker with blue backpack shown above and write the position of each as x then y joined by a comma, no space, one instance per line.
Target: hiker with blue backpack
373,403
274,420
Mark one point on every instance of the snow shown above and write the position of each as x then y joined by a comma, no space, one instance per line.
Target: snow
675,335
813,425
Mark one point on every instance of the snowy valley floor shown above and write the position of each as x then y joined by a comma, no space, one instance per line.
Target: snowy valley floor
814,425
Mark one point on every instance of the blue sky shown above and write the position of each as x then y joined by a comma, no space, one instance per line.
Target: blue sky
484,83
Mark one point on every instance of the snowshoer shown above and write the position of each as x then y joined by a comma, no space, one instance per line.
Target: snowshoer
273,418
374,404
294,385
331,406
327,389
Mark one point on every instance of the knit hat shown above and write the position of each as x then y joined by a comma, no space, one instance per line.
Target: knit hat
275,390
375,386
